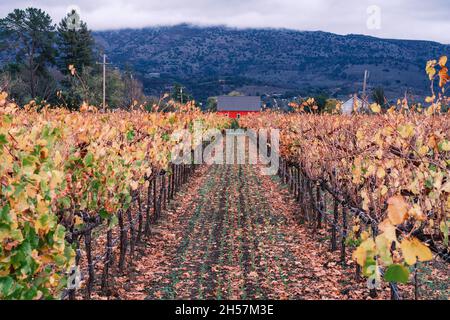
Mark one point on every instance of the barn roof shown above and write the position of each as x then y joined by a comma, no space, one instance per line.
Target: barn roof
241,103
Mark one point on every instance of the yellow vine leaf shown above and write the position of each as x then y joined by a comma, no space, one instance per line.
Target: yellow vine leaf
381,173
42,207
406,131
78,221
360,254
423,150
430,99
42,223
384,190
397,210
388,230
446,187
443,61
445,146
430,69
58,159
413,250
56,179
383,249
375,107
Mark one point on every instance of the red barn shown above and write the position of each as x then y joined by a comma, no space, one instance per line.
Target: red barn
235,107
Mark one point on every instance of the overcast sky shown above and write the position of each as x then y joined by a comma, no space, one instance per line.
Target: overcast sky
403,19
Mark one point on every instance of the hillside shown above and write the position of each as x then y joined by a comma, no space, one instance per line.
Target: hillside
268,61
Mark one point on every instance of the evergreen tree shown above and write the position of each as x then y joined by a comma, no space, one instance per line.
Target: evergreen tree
87,86
30,35
75,44
379,97
321,101
180,94
211,104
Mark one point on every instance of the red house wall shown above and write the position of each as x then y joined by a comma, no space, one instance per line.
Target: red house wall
235,114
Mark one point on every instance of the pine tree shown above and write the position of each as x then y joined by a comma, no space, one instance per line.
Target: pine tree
75,45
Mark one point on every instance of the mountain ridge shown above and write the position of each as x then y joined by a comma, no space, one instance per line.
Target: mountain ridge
229,27
269,60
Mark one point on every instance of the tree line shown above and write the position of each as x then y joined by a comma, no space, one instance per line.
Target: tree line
56,64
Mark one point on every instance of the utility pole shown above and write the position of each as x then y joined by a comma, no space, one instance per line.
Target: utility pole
364,98
131,88
181,94
104,80
222,82
132,91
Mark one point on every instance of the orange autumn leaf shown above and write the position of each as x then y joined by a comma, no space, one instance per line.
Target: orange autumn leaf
443,77
397,210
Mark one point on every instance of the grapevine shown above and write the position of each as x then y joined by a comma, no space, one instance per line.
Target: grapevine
64,173
391,170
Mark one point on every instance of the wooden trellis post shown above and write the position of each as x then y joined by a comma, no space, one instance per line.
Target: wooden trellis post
344,235
108,261
334,226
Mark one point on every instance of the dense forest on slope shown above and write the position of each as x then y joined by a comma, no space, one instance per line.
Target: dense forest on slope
268,60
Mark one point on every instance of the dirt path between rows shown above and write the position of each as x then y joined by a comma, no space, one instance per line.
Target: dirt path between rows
231,234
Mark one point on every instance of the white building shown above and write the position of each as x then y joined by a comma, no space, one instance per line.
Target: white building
354,104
